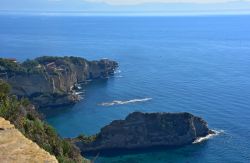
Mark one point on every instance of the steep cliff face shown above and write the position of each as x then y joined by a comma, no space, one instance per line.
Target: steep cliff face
27,120
15,148
143,130
50,80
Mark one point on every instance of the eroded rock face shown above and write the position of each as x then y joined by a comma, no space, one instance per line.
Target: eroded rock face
49,81
15,148
143,130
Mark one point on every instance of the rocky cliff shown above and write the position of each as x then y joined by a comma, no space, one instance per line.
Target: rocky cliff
144,130
15,148
50,81
26,119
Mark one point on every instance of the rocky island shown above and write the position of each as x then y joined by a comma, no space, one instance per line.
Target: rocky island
145,130
50,81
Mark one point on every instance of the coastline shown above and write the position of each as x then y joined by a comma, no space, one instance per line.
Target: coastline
58,78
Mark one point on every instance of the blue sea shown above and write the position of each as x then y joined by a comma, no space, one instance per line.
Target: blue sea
196,64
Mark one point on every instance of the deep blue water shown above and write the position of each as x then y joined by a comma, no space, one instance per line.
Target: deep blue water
193,64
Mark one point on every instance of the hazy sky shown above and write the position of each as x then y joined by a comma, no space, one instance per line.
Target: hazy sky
128,6
135,2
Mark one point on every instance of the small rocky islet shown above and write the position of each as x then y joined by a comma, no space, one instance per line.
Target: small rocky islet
146,130
51,82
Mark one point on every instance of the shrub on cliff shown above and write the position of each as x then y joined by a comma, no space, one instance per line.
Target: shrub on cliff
11,66
4,88
26,119
86,139
47,59
31,66
28,66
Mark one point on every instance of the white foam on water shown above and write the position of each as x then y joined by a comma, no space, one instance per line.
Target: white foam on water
81,97
201,139
117,71
116,102
79,93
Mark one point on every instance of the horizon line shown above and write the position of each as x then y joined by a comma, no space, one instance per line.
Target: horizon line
113,14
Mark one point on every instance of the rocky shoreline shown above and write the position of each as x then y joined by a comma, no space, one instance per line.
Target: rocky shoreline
145,130
54,81
50,81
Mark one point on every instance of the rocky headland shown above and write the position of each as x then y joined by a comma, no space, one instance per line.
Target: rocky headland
51,81
146,130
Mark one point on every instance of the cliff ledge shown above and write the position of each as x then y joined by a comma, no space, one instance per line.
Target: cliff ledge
14,147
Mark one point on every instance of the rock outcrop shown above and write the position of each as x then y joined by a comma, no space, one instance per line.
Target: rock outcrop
15,148
50,81
27,120
144,130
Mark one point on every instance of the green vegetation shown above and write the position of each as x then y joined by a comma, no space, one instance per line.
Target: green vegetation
76,60
31,66
28,66
24,116
47,59
35,66
62,60
11,66
87,139
4,88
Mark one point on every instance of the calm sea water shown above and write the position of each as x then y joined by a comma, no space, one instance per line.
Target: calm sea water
167,64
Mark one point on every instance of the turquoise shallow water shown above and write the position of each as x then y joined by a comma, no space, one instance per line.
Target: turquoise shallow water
172,64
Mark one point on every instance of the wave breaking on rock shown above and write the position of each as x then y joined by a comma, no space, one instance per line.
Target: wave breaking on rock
209,136
146,130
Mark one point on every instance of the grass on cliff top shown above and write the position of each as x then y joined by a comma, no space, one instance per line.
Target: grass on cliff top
86,139
25,118
65,59
27,67
32,66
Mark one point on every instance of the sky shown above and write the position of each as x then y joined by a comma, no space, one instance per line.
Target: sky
128,6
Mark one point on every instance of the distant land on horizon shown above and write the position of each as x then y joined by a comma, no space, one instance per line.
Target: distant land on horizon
106,7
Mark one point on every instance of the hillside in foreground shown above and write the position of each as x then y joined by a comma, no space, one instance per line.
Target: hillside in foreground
17,148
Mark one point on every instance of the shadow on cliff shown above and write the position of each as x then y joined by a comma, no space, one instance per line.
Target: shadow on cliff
187,150
88,88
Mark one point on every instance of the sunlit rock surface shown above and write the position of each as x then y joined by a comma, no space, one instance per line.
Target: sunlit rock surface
15,148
